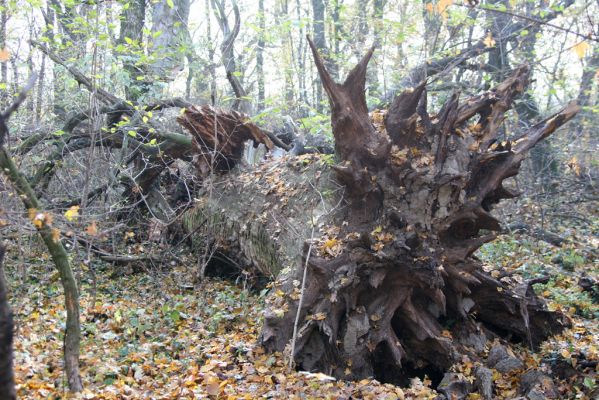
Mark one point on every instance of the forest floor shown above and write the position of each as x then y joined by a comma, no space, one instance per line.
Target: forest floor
152,335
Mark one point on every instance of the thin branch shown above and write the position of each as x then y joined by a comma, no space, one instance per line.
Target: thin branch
535,21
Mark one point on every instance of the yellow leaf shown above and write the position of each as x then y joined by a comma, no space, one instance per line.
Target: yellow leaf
489,41
581,48
72,213
329,244
429,7
442,7
4,55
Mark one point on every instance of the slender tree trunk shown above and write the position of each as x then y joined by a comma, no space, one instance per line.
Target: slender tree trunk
61,261
378,13
4,64
7,382
318,30
40,90
228,52
260,53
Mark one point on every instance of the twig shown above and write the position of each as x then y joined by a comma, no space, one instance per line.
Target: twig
21,97
301,300
535,21
13,107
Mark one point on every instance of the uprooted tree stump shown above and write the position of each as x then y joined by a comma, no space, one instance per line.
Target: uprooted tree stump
387,235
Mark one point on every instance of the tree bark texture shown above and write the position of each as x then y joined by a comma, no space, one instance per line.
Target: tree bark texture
392,286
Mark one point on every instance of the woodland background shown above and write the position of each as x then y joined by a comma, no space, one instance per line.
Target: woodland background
160,318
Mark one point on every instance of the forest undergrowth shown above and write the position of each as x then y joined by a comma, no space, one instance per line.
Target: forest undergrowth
154,335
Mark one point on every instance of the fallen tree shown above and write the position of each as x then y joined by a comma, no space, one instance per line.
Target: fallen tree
372,255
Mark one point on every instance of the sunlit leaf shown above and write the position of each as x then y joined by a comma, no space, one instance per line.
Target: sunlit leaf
72,213
4,55
489,41
580,49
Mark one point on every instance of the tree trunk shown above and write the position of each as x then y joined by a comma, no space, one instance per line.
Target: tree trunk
7,382
171,38
61,261
260,54
227,50
377,250
132,23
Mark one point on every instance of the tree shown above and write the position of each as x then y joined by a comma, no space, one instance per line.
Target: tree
227,50
51,238
389,286
7,384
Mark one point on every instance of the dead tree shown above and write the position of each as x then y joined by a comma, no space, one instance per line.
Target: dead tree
373,257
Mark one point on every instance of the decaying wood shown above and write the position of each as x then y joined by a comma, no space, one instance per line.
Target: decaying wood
392,288
403,291
219,136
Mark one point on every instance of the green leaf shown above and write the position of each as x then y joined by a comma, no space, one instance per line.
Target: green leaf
589,382
59,132
170,3
132,133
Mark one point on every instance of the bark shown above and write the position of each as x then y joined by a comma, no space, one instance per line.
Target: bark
132,23
171,22
392,288
7,383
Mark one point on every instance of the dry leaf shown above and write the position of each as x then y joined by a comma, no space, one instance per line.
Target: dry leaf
92,229
442,7
4,55
489,41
